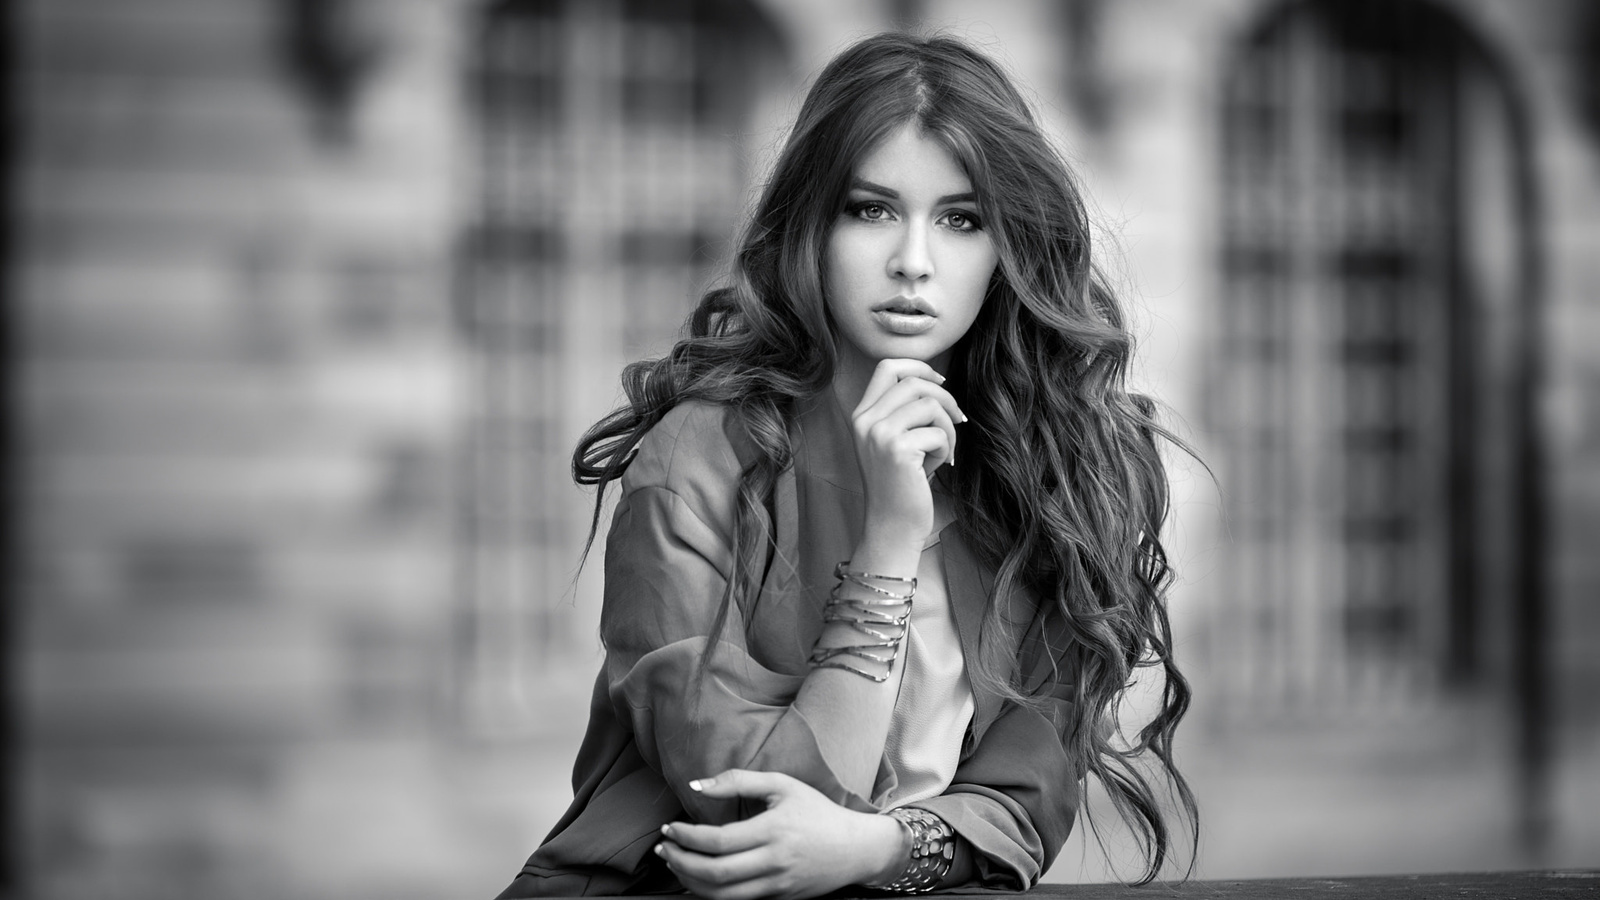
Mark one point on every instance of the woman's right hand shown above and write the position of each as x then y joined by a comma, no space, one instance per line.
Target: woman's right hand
802,845
904,430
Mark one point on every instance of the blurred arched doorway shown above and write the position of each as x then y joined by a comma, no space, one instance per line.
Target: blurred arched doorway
1377,296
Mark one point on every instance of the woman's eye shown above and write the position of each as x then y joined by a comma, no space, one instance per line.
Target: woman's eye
961,221
872,212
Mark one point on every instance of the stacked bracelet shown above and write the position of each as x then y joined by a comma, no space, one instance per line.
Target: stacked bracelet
881,617
933,851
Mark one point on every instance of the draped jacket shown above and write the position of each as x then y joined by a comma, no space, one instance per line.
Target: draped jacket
667,559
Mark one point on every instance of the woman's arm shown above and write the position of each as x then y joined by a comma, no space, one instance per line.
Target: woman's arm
667,563
1011,806
694,711
695,708
904,429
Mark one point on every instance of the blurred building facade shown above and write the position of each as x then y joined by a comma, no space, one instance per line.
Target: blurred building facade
310,299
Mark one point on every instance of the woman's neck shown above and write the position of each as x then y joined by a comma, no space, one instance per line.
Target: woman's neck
854,373
849,384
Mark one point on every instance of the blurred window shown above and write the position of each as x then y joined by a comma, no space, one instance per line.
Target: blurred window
608,186
1368,291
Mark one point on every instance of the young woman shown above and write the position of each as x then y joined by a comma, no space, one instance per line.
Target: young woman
834,656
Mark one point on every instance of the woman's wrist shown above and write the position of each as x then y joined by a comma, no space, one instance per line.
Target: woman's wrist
889,846
931,851
889,549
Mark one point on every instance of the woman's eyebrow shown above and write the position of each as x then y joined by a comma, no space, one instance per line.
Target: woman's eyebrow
861,184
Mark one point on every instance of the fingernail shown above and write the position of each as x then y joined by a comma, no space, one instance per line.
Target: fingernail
666,830
661,850
697,784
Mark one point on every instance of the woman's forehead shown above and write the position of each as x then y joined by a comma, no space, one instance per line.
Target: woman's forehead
909,160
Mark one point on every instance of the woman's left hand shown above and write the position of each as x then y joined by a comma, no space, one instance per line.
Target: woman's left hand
802,845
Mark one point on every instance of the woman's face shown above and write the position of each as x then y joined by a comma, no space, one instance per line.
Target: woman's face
908,261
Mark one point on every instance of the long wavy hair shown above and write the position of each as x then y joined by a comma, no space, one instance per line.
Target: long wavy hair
1061,488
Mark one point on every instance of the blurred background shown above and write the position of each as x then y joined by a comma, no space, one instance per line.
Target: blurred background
307,301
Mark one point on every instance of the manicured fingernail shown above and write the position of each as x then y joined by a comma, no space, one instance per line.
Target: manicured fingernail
661,850
697,785
666,830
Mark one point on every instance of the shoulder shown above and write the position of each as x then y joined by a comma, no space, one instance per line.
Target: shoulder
690,454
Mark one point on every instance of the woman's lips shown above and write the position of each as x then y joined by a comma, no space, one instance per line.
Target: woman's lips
905,316
904,304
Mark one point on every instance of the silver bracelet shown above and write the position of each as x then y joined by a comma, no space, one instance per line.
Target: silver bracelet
843,571
933,851
883,619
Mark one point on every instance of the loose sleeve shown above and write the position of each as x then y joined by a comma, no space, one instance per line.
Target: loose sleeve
1013,799
667,561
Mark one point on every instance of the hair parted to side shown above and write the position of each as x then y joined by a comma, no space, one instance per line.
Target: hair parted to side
1062,487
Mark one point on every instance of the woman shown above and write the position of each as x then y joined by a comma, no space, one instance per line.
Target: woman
833,656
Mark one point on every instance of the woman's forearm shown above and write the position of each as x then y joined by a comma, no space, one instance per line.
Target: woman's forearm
849,713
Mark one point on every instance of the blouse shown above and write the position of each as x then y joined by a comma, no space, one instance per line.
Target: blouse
1015,790
934,706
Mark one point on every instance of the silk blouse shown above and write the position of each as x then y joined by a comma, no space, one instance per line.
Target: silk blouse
1015,789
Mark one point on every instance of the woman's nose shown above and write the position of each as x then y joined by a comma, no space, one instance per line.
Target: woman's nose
912,259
